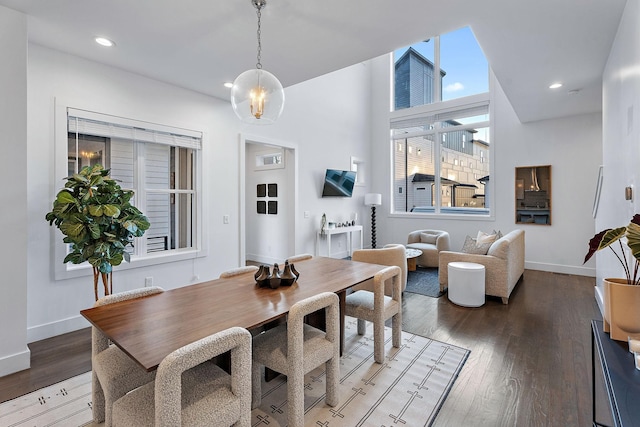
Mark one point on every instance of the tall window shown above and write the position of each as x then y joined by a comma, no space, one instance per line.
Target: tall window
441,127
156,162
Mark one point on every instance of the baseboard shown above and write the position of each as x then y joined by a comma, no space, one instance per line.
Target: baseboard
262,259
15,362
59,327
558,268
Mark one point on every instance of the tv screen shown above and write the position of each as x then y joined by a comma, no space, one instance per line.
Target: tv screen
338,183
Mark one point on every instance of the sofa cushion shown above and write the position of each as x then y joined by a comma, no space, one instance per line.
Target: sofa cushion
472,247
428,238
499,249
483,237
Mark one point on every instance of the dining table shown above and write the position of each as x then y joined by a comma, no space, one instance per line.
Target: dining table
150,328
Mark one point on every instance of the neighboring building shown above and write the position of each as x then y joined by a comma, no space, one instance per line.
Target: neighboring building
464,161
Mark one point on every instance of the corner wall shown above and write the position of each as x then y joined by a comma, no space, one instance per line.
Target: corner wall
621,136
14,353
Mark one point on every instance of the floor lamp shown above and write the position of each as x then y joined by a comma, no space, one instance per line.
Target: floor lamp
373,200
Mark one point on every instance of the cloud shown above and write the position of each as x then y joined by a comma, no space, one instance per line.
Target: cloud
454,87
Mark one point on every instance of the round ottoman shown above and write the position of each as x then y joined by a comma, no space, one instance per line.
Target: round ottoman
466,283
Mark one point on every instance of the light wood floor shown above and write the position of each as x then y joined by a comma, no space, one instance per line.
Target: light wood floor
530,361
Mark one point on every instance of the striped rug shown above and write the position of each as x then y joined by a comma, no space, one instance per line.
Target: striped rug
407,389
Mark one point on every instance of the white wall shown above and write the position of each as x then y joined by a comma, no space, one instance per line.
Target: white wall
14,354
570,145
621,134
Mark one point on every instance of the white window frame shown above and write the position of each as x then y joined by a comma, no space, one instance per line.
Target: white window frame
68,270
443,108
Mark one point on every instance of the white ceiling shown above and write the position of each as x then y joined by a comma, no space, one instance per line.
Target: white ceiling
199,44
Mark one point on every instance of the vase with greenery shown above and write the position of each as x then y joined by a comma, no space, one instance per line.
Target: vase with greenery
98,221
621,296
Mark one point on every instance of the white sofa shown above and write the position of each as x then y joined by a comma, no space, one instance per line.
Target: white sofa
504,264
431,243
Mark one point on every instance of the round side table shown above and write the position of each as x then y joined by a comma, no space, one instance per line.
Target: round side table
411,255
466,283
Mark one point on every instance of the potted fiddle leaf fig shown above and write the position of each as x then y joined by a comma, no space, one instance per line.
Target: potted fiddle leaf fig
98,221
621,296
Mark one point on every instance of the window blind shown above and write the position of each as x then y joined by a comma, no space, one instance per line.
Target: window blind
90,123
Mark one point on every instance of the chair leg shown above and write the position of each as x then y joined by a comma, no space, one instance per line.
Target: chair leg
378,342
332,368
97,399
396,328
295,397
256,385
362,327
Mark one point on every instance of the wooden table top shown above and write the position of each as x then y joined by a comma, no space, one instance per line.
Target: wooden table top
150,328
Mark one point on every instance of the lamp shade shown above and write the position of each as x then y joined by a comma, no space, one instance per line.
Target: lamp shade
373,199
257,97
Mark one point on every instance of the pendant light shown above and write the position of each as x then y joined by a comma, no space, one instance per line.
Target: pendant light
257,96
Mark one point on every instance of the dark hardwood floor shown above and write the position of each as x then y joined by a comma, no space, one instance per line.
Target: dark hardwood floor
530,361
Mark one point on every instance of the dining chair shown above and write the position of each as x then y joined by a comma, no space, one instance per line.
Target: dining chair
114,373
238,271
299,257
295,348
377,307
191,391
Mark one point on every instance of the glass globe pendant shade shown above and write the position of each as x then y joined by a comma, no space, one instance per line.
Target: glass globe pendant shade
257,97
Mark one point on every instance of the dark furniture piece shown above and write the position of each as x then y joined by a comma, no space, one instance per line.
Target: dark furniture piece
614,373
150,328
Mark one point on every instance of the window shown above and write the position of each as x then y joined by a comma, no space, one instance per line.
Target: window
444,118
158,163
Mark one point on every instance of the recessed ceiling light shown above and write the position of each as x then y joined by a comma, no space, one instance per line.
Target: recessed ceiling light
228,84
102,41
555,86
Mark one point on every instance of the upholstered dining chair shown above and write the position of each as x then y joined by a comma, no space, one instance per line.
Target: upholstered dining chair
238,271
191,391
299,257
114,373
295,348
376,307
391,254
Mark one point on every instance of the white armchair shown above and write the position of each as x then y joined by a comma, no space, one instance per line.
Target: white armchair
431,243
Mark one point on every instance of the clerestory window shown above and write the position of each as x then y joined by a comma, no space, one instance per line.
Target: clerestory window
441,128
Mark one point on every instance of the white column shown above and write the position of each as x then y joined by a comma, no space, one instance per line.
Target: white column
14,353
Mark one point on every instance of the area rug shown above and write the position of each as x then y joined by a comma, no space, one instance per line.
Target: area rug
407,389
424,281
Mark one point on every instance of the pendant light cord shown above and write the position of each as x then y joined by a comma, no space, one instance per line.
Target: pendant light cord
259,34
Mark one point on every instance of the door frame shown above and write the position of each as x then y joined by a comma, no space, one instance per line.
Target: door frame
292,171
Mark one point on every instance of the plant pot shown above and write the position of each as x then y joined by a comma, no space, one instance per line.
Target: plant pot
621,316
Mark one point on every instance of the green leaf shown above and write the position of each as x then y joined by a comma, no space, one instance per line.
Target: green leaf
131,226
116,259
65,197
612,236
96,210
112,211
74,258
94,230
633,239
72,229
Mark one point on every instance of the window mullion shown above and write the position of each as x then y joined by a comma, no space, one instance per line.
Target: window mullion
139,184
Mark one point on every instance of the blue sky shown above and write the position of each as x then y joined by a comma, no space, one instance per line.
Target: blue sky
463,61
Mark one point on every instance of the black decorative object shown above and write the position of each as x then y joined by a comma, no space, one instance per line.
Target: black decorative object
287,277
262,207
267,279
272,190
261,190
373,227
273,207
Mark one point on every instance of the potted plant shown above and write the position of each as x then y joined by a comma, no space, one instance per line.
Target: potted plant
621,297
98,221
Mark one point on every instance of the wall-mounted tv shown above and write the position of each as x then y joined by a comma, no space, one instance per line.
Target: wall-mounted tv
338,183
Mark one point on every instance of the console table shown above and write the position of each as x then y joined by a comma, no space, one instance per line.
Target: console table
338,230
613,370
